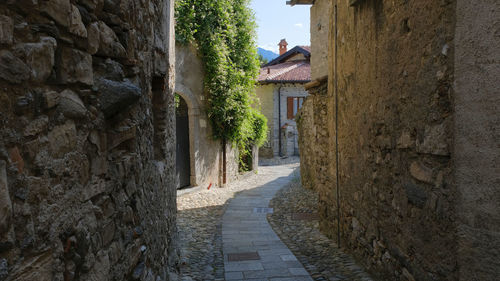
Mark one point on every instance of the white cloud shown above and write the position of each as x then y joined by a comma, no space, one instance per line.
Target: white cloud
299,25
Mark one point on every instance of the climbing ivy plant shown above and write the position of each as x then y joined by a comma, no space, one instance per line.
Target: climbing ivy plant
224,32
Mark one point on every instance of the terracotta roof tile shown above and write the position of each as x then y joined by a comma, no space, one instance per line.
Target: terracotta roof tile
293,71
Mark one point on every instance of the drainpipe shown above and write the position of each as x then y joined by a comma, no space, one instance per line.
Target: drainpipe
224,164
337,131
279,120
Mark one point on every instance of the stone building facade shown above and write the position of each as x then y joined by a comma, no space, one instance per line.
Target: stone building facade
312,120
281,93
205,152
87,163
406,155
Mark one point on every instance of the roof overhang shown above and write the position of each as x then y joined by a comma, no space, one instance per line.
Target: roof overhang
289,53
300,2
262,82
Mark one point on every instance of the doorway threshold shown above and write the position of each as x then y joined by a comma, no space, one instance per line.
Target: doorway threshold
187,190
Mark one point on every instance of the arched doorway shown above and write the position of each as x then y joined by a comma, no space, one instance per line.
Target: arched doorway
183,155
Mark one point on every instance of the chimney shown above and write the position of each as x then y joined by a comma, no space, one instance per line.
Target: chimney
283,45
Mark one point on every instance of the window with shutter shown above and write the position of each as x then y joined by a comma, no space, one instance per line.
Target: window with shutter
293,104
289,108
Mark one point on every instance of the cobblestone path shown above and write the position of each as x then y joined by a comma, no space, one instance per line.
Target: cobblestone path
295,221
252,251
211,250
199,221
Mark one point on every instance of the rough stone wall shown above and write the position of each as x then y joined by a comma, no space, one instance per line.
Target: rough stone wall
205,151
307,136
87,189
418,137
314,141
320,20
395,74
477,138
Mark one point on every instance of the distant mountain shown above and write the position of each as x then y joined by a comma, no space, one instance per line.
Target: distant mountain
269,55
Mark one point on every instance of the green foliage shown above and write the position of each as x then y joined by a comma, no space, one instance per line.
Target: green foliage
258,123
177,100
254,132
224,32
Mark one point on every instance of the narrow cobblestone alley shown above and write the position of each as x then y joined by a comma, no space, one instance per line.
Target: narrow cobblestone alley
225,234
296,222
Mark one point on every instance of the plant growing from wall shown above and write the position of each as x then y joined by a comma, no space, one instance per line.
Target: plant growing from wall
254,132
224,32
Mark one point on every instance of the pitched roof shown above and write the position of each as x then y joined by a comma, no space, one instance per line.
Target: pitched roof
305,50
287,72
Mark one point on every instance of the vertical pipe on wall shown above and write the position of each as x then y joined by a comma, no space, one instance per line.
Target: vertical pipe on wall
224,164
279,121
336,130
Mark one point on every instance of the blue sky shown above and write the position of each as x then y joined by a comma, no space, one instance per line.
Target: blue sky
276,21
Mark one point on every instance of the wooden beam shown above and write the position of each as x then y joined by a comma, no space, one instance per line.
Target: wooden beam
355,2
300,2
316,82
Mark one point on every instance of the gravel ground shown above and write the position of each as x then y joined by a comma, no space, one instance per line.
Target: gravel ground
279,161
199,223
320,255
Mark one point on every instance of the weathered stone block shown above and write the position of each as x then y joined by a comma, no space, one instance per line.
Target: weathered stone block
59,10
36,126
405,140
62,139
49,29
121,135
12,69
416,195
408,275
99,166
35,146
6,30
39,57
95,188
94,38
107,233
109,45
36,268
71,105
111,70
421,172
4,269
116,96
76,25
91,4
76,66
100,270
16,158
50,99
5,203
435,140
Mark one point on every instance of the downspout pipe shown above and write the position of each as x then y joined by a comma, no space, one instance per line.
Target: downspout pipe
337,131
279,120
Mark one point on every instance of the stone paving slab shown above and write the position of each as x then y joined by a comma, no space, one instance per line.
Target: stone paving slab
199,220
245,229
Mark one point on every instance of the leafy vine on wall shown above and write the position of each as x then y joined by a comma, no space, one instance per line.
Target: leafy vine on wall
224,33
